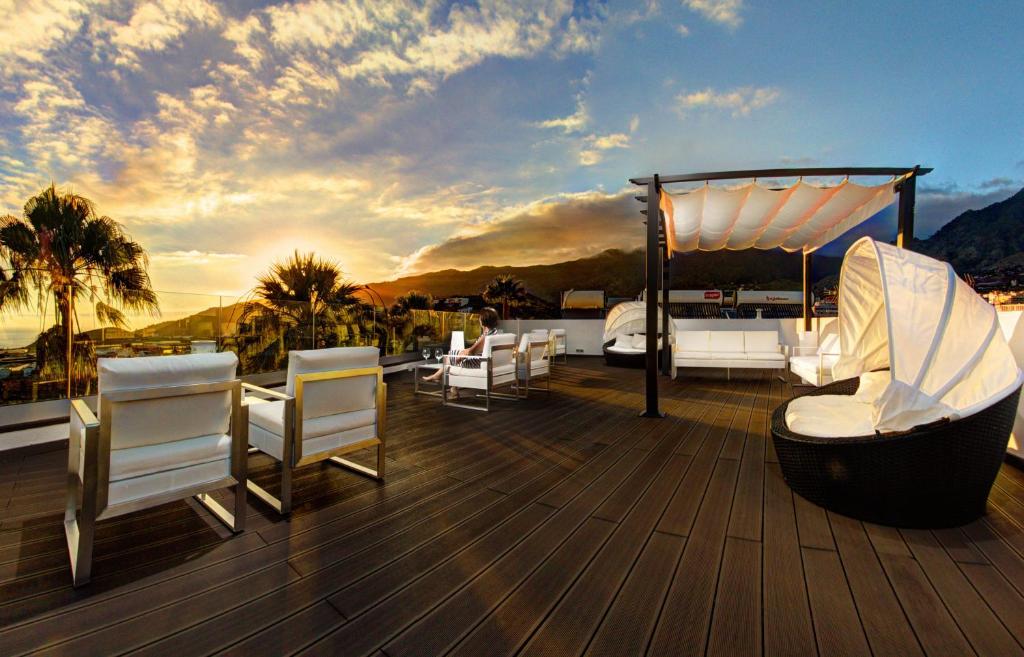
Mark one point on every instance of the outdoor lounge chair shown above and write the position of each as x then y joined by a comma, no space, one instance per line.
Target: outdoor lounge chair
169,428
915,430
533,362
487,373
814,364
334,403
560,340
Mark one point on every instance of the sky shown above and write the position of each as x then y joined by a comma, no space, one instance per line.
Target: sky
404,137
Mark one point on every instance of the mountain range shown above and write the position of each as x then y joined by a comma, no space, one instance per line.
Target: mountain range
976,241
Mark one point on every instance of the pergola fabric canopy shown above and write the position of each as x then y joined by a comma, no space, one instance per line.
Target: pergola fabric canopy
628,317
801,217
910,313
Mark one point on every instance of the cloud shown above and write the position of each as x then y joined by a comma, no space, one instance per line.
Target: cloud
741,101
804,161
31,29
591,154
723,12
997,183
193,257
156,24
548,231
574,122
634,123
682,30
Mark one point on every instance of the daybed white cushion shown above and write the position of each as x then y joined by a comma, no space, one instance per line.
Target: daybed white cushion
639,341
872,385
623,342
829,416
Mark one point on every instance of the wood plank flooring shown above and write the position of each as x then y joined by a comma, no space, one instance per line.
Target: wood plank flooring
560,525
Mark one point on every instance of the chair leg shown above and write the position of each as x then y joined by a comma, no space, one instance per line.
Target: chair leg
79,531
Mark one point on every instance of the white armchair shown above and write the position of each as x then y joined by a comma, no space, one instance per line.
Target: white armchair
558,337
458,342
169,428
335,402
813,361
533,362
494,369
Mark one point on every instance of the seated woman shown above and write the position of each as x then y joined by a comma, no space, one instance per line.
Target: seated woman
488,326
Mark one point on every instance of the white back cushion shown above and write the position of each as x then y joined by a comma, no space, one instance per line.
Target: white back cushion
458,341
162,420
501,356
829,344
692,340
761,340
321,398
624,341
640,341
725,341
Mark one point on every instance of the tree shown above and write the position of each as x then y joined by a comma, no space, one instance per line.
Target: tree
412,300
298,297
63,251
505,290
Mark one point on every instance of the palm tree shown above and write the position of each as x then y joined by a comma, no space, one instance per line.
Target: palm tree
64,251
412,300
504,290
302,294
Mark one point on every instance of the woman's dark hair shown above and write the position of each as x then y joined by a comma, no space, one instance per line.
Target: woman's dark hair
489,317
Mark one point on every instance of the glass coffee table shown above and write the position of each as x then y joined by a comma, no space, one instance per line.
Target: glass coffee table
421,370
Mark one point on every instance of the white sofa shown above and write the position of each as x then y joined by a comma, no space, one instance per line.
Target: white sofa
813,362
728,349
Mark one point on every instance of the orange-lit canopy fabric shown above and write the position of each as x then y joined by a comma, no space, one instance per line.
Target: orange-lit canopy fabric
802,217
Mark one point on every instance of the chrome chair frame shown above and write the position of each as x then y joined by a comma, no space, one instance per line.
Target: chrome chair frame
525,389
82,511
291,448
485,361
554,347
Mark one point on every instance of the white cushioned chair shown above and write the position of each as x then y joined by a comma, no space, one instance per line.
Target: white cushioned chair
813,362
533,362
334,402
728,349
169,428
494,369
559,339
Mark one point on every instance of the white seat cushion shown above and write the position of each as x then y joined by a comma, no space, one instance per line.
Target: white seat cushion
725,342
693,354
537,368
829,416
625,350
623,341
270,417
159,483
456,370
138,461
760,341
728,355
765,355
692,340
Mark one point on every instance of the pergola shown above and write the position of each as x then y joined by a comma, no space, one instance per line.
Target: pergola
799,217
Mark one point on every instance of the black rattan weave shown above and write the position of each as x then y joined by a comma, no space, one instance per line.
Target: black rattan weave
938,475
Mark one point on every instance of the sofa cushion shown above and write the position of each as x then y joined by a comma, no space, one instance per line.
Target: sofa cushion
829,416
725,342
694,354
692,340
760,341
765,355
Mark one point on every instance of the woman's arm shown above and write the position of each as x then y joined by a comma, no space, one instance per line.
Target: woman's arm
476,348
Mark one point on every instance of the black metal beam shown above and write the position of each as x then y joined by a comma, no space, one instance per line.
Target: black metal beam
784,173
653,254
905,222
666,360
808,291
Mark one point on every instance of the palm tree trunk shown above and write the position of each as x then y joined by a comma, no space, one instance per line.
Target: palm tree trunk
69,335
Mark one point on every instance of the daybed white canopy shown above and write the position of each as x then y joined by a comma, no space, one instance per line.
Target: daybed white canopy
628,317
939,340
801,217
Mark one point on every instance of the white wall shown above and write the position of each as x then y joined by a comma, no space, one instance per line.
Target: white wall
1013,330
582,336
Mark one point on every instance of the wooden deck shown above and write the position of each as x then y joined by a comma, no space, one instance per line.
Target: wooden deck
558,526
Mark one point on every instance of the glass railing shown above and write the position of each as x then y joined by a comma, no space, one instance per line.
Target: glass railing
34,354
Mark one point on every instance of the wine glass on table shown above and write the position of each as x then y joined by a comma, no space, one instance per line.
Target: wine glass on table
426,353
438,354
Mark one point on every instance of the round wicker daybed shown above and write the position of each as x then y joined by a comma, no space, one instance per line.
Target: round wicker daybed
624,344
933,476
915,429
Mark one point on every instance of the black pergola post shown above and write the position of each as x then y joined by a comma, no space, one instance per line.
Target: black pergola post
653,264
905,223
666,361
808,291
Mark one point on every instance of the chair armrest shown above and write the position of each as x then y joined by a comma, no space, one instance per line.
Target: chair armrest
82,412
273,393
